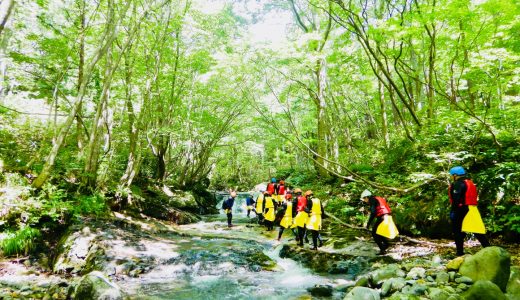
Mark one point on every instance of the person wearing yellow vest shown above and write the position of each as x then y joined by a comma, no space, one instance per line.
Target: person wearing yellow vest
288,210
463,194
269,209
301,217
316,213
379,210
259,207
280,192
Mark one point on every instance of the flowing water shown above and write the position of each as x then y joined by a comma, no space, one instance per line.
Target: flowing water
216,262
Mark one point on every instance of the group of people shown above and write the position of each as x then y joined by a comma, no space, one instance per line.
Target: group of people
302,213
299,212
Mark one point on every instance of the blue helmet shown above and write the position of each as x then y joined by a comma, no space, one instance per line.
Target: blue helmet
273,180
458,170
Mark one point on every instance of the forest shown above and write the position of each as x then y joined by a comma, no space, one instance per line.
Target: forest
112,106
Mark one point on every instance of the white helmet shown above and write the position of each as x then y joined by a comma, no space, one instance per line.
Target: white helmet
366,193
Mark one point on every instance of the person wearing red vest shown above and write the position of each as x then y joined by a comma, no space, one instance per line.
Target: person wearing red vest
462,192
301,216
272,187
378,209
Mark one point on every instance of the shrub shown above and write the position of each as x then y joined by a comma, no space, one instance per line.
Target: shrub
22,241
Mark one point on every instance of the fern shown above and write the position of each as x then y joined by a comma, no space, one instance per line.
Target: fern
21,241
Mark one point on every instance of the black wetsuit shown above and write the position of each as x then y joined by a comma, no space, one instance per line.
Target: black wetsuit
459,209
381,241
228,204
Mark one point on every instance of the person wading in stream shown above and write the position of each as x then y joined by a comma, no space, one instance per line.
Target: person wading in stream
259,207
249,204
272,187
301,217
280,191
316,213
378,210
269,209
463,196
288,211
227,205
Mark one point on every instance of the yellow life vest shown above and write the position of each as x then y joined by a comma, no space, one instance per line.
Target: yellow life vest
387,228
472,221
269,207
314,221
287,217
301,219
259,202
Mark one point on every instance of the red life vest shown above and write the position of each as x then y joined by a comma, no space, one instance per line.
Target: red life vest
382,208
270,188
302,203
281,189
471,193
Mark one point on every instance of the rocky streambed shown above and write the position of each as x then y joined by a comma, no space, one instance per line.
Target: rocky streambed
128,258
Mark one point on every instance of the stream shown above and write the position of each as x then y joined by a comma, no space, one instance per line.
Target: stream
216,262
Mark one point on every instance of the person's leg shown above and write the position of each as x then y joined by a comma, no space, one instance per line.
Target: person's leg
315,239
377,238
229,218
320,241
458,234
248,212
280,232
482,239
301,233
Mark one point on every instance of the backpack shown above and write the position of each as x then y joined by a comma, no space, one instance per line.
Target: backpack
224,204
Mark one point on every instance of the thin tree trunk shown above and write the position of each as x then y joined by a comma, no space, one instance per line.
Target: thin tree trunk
384,116
79,123
6,7
58,140
323,128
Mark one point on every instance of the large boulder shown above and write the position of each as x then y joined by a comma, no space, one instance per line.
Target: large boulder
95,285
166,204
362,293
484,290
76,249
513,286
491,263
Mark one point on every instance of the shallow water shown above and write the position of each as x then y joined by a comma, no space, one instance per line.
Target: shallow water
221,263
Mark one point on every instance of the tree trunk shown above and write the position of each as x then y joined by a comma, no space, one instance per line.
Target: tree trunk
64,130
79,123
323,128
384,116
6,8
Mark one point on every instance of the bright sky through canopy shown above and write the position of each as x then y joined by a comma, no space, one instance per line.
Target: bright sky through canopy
270,29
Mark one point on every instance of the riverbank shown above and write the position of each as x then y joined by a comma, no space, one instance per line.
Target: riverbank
146,258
